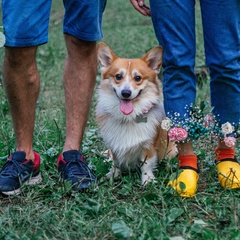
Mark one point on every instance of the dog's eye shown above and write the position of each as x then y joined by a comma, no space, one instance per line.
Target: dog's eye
119,77
137,78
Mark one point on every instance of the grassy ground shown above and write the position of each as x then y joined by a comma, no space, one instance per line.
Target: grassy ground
115,209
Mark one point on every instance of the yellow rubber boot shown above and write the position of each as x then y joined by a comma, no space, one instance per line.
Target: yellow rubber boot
186,183
229,174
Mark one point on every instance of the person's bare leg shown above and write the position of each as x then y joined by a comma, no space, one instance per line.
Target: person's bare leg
185,149
21,80
222,145
79,80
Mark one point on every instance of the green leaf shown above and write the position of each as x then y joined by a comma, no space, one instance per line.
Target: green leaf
126,190
207,110
173,215
182,185
151,197
121,230
208,234
203,104
201,153
92,206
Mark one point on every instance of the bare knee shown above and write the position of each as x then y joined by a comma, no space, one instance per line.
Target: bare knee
20,64
20,57
78,47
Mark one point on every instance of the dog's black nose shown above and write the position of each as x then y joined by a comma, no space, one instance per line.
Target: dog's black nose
126,93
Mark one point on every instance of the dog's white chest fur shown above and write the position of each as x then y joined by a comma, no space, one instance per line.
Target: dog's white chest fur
128,136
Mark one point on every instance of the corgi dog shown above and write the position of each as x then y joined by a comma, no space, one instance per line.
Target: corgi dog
129,112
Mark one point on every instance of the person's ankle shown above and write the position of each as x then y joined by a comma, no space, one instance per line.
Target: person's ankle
28,150
185,149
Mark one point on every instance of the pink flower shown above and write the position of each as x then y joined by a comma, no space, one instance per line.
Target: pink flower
177,134
230,141
208,121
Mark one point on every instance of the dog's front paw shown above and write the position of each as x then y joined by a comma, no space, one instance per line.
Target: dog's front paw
113,173
147,178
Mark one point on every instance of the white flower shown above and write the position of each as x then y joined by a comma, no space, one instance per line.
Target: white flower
227,128
166,124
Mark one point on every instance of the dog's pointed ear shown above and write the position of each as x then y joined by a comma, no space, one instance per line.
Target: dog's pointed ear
154,58
105,55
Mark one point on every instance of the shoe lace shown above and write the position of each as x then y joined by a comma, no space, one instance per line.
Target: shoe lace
76,167
11,168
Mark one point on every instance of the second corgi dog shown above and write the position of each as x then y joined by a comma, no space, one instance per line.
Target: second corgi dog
129,112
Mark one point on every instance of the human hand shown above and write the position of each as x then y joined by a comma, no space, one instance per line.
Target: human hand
140,6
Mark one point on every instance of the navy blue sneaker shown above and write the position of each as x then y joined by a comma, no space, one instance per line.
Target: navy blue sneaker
18,170
73,168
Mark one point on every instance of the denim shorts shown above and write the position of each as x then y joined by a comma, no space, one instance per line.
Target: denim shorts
26,22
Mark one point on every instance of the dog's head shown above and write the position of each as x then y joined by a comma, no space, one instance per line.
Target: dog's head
129,77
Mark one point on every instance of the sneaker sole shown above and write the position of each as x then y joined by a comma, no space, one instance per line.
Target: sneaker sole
32,181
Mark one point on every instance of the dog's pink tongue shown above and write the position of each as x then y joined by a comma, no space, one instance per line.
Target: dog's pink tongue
126,106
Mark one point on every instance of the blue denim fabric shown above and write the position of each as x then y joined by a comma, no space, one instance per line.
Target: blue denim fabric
26,22
174,24
83,19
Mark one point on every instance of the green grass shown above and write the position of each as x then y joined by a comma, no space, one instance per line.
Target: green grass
115,209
